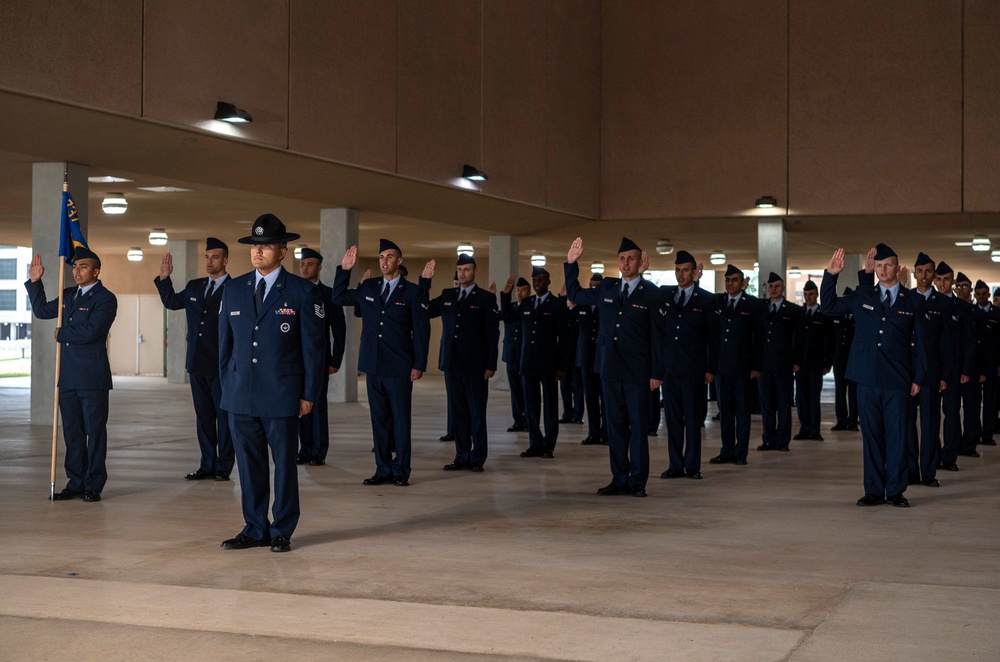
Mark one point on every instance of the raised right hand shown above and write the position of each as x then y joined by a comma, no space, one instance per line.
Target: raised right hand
350,258
36,270
509,286
575,250
836,262
166,266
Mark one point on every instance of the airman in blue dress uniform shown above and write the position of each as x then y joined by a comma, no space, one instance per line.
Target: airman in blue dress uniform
200,299
690,358
815,360
271,361
629,358
741,358
991,344
845,391
395,334
962,369
89,309
888,362
972,390
588,326
510,313
782,322
314,428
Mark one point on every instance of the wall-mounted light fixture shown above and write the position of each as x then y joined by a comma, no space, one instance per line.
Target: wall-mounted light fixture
227,112
766,202
597,268
473,174
664,247
134,254
158,237
114,204
465,248
718,257
538,260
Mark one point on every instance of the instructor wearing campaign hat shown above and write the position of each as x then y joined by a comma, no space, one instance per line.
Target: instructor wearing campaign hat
271,360
629,359
89,309
888,362
200,299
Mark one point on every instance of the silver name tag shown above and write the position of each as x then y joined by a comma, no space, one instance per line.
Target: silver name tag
234,312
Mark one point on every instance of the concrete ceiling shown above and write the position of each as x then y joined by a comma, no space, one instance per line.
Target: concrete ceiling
233,181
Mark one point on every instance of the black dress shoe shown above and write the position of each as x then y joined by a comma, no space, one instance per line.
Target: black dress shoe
301,460
949,466
565,419
377,479
816,437
604,441
243,542
672,473
899,501
516,428
652,433
871,500
694,475
638,491
201,474
716,417
782,449
578,421
988,442
590,441
316,462
853,428
400,481
972,453
476,468
742,461
455,466
90,496
531,452
913,480
280,544
547,455
612,490
720,459
447,437
767,447
66,494
838,427
930,481
800,436
220,476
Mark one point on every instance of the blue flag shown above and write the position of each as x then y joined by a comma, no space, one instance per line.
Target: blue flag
70,235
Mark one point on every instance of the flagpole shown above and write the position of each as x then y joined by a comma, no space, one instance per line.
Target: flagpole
55,404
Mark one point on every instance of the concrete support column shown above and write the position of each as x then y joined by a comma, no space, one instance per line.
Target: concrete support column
46,214
770,251
338,231
503,264
185,255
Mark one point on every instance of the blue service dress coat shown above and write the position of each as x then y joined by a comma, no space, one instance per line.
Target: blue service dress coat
202,363
741,350
84,379
510,314
269,360
314,428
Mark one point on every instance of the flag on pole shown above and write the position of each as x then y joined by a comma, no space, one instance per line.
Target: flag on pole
70,235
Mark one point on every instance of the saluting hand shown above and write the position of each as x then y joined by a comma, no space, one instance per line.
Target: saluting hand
575,250
350,258
699,270
643,262
428,272
493,288
366,275
36,269
836,262
870,260
509,286
903,274
166,266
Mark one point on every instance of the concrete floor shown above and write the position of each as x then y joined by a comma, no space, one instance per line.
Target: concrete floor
772,561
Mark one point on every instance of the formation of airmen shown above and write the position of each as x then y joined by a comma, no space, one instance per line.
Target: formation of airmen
261,347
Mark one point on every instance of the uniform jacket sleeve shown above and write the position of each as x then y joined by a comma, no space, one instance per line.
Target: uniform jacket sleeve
171,300
36,295
338,327
341,296
421,330
312,327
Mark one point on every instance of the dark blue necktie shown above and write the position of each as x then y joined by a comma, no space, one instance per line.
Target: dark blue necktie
258,299
385,293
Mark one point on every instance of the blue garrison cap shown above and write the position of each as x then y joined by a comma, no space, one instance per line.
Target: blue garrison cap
683,257
922,259
539,271
465,258
943,269
883,252
596,277
981,285
84,253
774,278
403,270
212,243
521,282
962,278
628,245
732,270
809,286
385,245
308,253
